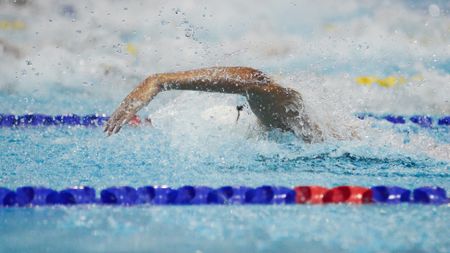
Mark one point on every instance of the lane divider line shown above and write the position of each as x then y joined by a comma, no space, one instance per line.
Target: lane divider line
94,120
29,196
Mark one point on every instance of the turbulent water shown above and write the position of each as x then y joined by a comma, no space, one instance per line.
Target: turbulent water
88,56
345,57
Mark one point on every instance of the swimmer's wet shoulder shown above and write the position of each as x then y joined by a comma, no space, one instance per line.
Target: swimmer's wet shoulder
274,106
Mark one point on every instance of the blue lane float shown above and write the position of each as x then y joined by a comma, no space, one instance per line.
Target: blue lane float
77,196
124,195
192,195
430,195
7,197
390,194
28,196
423,121
163,196
444,121
7,120
146,194
270,195
395,119
226,195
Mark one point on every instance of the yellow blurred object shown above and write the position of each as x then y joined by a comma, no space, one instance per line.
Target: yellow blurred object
12,25
329,27
131,49
4,25
387,82
366,80
18,25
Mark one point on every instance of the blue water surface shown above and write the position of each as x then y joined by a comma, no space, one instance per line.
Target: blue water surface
59,157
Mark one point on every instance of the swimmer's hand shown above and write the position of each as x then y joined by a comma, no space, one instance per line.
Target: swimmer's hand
126,111
128,108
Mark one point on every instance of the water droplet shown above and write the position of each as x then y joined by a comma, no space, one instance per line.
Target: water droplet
434,10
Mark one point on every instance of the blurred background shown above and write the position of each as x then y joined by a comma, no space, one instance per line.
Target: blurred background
364,56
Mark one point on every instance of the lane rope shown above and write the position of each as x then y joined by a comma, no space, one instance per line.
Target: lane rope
421,120
11,120
93,120
29,196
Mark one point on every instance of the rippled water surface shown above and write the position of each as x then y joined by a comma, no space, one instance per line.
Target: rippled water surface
83,58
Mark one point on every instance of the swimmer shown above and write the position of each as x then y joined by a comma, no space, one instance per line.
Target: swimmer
274,106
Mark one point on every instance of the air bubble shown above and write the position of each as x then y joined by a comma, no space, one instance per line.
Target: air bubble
434,10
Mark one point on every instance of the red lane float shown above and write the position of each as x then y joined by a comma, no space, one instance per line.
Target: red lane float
348,194
309,194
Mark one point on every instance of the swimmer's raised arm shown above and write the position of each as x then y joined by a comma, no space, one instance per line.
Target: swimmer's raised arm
233,80
274,106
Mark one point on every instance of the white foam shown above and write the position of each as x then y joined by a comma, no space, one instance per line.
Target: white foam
316,48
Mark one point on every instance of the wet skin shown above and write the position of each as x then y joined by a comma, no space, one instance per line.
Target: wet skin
274,106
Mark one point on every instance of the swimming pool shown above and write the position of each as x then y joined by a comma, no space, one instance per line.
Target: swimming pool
195,140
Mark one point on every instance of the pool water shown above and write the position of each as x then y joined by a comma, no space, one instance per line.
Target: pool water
58,157
318,49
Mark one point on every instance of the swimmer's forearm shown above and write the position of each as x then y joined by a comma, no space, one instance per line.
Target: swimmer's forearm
145,91
233,80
